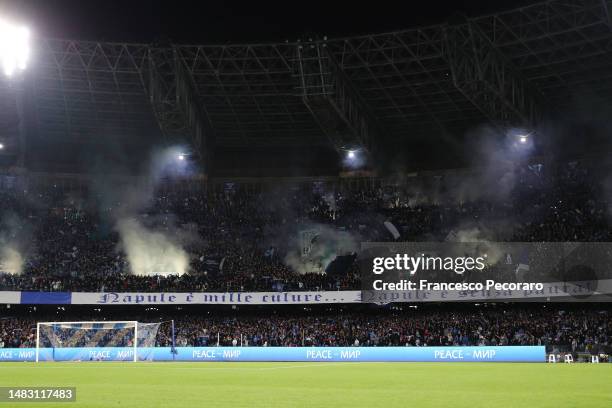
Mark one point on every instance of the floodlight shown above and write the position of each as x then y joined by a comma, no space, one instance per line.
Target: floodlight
14,47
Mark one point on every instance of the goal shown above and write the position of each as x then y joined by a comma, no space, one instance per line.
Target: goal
94,341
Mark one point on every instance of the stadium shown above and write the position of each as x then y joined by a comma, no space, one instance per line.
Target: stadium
396,205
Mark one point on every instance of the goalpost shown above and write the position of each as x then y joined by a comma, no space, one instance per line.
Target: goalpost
93,341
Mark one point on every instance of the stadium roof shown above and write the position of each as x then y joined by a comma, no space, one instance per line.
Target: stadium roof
426,83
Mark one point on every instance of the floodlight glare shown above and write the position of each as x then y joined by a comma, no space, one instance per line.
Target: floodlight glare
350,154
14,47
181,157
523,138
1,146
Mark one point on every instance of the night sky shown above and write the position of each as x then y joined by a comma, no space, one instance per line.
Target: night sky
218,22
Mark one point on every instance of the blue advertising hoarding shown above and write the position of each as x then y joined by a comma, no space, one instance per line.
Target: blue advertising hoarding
302,354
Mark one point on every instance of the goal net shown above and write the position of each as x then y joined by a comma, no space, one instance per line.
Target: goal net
95,341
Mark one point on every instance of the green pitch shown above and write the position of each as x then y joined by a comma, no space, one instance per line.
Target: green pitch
204,385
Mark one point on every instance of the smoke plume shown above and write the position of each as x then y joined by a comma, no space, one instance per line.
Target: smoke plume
15,242
325,246
11,260
157,246
483,236
151,252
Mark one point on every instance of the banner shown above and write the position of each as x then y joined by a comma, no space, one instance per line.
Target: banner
599,291
9,298
316,354
212,298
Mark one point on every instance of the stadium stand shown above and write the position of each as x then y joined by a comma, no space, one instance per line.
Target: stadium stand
566,328
76,246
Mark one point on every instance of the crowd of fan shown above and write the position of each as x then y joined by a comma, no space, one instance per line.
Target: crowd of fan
70,243
577,330
581,331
